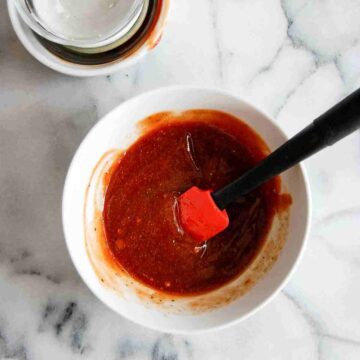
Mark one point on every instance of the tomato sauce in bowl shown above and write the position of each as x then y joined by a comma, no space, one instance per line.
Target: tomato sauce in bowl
204,148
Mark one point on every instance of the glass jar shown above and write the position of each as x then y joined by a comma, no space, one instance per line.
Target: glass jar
82,23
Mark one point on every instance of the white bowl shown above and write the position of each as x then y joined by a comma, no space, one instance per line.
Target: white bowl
117,130
43,55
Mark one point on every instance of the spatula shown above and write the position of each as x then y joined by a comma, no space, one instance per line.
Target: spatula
202,211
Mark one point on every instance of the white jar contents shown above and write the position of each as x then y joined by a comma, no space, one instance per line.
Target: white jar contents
86,19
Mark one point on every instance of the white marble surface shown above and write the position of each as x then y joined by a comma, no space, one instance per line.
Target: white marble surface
294,58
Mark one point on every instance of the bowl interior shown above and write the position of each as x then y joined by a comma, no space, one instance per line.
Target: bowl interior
118,130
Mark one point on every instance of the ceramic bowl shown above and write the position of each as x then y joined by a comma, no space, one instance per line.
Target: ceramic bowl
40,49
118,130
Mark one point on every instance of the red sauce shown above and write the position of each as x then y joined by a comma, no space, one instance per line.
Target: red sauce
204,148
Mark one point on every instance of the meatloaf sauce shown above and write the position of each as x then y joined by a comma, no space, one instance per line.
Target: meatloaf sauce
203,148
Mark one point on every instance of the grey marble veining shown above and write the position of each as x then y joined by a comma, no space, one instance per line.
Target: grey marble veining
293,58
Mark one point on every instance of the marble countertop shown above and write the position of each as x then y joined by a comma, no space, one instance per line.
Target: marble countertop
294,59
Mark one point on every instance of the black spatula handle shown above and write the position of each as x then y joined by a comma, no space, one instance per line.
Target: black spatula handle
335,124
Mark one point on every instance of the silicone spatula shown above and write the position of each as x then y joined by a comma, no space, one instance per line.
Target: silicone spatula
202,212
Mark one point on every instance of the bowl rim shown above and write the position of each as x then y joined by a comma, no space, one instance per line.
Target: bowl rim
308,209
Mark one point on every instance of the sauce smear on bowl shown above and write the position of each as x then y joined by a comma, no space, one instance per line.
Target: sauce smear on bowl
204,148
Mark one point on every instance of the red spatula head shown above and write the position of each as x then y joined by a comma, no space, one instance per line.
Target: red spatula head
200,216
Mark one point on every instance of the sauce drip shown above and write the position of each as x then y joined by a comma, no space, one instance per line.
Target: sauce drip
201,148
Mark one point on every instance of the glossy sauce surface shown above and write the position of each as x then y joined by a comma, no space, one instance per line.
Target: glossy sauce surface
204,148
